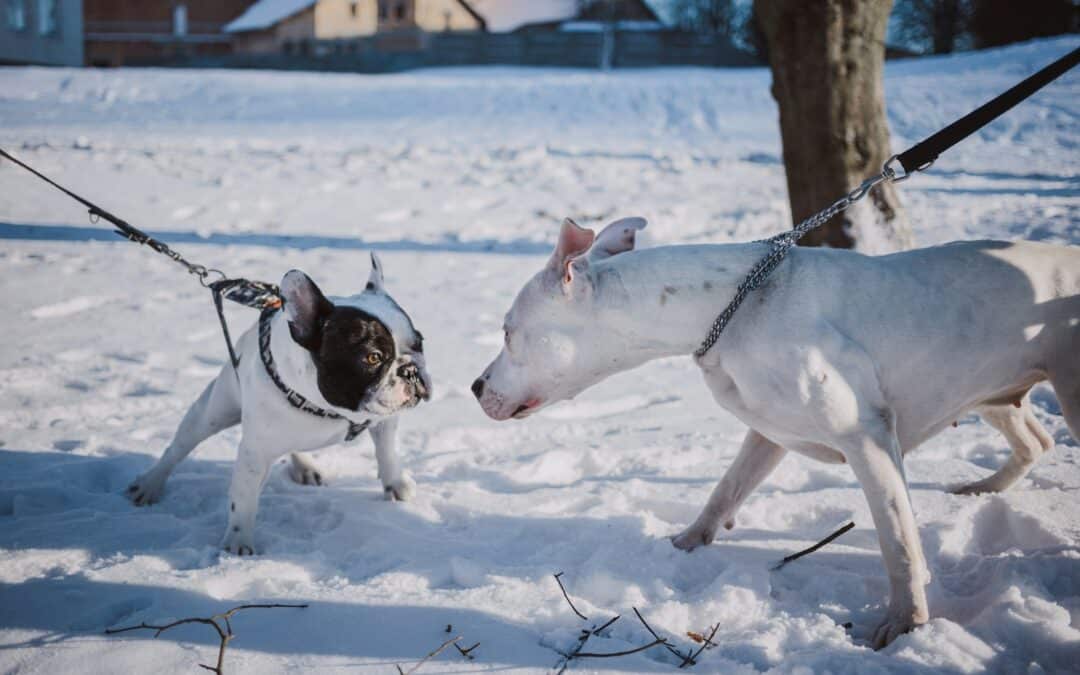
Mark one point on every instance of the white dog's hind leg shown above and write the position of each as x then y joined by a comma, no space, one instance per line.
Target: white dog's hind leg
398,485
1026,437
756,459
302,470
217,408
1066,383
249,473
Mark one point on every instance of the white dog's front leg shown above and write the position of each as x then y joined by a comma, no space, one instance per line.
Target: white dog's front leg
249,474
877,462
756,459
398,485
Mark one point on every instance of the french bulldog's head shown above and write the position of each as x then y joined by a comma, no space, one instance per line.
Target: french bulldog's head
555,348
368,356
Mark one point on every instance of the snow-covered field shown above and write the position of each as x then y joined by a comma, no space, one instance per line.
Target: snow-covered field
458,178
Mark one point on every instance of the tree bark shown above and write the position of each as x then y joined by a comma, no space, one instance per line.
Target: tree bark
827,59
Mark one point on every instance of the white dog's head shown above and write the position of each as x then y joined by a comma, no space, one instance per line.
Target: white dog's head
554,349
368,356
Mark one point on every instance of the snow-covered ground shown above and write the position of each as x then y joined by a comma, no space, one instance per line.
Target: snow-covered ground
459,177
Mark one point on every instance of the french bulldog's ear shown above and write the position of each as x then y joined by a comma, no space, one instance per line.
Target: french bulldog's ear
573,241
305,307
375,279
616,238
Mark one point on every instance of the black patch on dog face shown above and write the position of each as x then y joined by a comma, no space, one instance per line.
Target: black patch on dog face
352,354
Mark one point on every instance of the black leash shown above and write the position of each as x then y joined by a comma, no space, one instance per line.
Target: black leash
255,294
917,158
921,155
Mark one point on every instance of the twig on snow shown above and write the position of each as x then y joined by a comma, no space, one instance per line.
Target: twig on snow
606,655
686,658
466,652
692,659
435,652
567,596
808,551
224,629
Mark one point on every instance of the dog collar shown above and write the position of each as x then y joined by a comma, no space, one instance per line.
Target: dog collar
294,398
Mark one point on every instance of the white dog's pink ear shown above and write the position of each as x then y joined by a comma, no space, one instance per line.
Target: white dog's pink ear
574,240
616,238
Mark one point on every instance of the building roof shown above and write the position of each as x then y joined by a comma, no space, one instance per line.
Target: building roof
503,16
266,13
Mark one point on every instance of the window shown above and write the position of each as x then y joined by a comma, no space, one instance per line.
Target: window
16,14
179,20
47,20
399,11
382,10
354,9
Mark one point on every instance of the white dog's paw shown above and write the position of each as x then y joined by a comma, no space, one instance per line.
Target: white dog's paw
401,490
698,534
893,627
304,472
146,489
239,541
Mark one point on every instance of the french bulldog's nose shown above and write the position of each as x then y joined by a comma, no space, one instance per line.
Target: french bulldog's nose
478,388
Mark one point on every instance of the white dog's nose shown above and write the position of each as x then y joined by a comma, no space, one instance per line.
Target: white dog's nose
478,388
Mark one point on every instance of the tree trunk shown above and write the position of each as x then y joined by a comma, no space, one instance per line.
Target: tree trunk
827,59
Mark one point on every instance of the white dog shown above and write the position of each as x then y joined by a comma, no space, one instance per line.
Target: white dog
313,375
839,356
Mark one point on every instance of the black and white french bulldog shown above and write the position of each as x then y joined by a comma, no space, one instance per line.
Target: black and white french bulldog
315,374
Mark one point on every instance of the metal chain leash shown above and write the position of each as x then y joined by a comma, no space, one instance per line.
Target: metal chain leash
782,243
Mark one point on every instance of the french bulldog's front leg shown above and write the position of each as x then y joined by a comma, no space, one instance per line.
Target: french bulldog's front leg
398,485
876,459
756,460
249,474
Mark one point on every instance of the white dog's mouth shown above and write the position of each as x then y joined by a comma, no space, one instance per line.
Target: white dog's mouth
527,408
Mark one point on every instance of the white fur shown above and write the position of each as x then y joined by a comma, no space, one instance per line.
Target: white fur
272,428
840,356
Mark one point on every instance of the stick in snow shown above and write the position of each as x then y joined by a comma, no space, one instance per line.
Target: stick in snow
567,596
431,655
808,551
225,633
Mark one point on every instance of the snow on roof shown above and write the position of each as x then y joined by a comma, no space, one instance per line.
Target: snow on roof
506,15
266,13
599,27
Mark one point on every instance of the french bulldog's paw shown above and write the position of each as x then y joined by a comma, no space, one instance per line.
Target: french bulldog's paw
304,472
146,489
239,541
894,626
401,490
698,534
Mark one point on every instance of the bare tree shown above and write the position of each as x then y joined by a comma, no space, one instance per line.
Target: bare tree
827,59
1000,22
718,17
932,26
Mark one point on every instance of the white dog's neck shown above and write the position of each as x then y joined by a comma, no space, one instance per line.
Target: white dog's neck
662,301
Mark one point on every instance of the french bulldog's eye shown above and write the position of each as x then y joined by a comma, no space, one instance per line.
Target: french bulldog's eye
373,358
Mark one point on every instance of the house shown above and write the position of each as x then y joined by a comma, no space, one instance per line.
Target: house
271,26
46,32
573,15
137,32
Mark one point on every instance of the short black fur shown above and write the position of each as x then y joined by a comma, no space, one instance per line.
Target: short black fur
346,337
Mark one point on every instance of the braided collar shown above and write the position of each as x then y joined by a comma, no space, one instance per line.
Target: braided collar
292,396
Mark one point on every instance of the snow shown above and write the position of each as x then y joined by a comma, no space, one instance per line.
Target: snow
458,178
266,13
503,16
